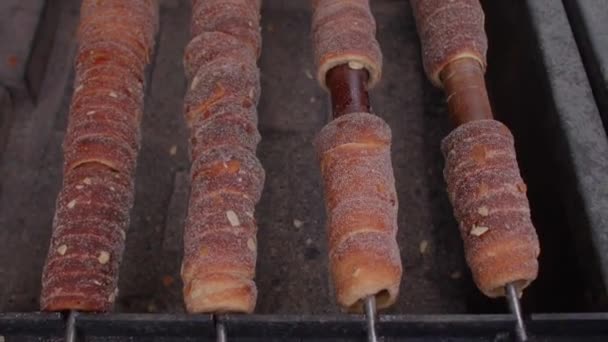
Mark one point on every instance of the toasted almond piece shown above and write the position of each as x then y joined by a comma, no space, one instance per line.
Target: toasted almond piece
113,295
62,249
251,244
72,204
478,230
194,82
103,257
233,218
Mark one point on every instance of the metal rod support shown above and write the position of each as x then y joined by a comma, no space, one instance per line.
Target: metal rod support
220,331
70,327
370,317
515,306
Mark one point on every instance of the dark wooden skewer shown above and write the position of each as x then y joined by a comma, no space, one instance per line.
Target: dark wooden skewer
347,87
465,88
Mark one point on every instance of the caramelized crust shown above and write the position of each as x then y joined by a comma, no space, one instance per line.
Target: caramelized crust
100,149
220,243
361,201
491,206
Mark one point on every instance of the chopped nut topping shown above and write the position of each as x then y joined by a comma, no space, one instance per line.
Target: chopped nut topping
71,204
251,245
62,249
113,94
194,82
233,218
103,257
91,112
87,181
478,230
79,187
483,211
113,296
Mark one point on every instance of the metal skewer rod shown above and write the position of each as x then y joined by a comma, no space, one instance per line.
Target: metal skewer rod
70,329
370,317
515,306
220,331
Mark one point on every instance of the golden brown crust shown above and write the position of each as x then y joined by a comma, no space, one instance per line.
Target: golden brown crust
344,32
220,243
220,292
490,204
449,30
237,18
100,150
361,201
366,264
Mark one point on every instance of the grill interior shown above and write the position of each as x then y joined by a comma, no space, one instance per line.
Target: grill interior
292,274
